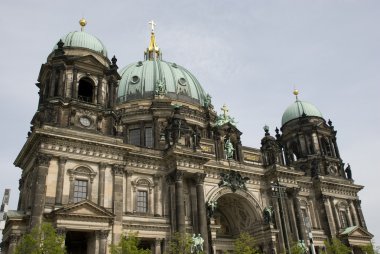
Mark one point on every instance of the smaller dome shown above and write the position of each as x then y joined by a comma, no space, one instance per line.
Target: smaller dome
297,109
83,40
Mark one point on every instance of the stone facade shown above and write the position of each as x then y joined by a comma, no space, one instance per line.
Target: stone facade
83,172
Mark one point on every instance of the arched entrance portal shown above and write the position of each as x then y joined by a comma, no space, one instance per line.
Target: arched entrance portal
235,213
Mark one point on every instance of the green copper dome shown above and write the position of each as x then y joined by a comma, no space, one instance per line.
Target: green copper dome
145,79
83,40
297,109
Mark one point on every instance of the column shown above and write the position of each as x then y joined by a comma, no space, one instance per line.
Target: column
42,166
292,216
128,192
61,173
279,225
335,214
52,84
179,201
60,83
102,182
61,232
157,246
100,86
329,216
313,214
111,94
74,86
103,235
118,172
202,216
157,196
353,213
300,220
13,240
360,213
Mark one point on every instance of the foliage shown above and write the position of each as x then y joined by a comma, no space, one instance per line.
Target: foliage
297,249
335,246
128,245
246,244
180,243
41,240
368,249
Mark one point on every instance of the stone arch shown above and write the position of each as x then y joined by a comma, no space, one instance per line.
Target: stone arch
82,170
217,192
236,212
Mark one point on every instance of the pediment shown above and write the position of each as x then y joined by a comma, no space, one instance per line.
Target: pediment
356,232
89,59
84,208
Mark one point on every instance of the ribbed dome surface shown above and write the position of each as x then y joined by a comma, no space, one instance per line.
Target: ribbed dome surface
297,109
140,81
83,40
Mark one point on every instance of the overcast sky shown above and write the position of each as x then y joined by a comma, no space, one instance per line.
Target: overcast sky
247,54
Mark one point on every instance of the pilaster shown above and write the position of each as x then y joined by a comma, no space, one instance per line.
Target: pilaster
61,171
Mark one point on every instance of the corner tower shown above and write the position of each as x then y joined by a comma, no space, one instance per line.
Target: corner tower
77,85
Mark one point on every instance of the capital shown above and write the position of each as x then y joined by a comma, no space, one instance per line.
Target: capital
103,234
62,159
43,160
178,175
118,169
200,178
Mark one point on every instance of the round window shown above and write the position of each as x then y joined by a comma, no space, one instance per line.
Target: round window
182,82
135,79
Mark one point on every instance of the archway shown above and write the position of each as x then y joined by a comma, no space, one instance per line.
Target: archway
236,212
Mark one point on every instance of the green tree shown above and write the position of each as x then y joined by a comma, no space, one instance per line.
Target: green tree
180,243
42,240
298,248
246,244
128,245
368,249
335,246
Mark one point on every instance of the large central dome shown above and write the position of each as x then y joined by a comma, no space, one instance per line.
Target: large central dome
146,79
141,80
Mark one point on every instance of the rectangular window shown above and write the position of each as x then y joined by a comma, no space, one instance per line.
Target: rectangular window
134,137
149,137
343,219
80,190
142,201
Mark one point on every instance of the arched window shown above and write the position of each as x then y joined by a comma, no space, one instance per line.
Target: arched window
85,90
326,147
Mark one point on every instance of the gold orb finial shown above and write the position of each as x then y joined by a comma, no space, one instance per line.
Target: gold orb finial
296,92
82,23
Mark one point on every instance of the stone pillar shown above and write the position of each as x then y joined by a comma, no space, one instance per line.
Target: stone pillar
60,83
62,233
360,213
61,173
118,172
300,220
102,182
157,196
111,94
353,213
13,240
128,193
52,84
202,215
103,234
335,214
74,84
292,217
100,88
313,215
157,246
179,200
42,167
279,225
329,216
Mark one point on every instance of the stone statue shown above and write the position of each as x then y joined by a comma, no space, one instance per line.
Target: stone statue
196,137
196,244
348,172
268,215
314,168
233,180
160,88
229,149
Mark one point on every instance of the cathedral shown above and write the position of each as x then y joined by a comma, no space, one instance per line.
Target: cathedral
142,149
